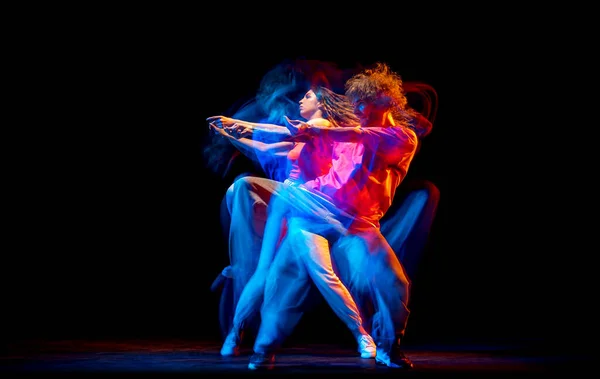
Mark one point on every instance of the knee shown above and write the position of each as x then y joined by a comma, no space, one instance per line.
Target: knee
293,234
244,194
240,185
388,278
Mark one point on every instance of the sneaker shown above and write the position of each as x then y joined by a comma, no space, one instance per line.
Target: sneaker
393,359
231,346
366,346
261,361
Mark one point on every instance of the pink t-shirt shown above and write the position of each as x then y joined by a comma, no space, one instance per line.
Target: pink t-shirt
364,176
308,160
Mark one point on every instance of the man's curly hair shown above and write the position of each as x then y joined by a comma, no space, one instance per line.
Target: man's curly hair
380,85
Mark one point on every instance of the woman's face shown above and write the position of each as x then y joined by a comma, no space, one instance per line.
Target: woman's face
309,105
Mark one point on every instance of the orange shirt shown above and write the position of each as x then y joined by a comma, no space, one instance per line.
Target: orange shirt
363,176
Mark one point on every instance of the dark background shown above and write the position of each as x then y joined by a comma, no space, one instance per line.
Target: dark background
118,233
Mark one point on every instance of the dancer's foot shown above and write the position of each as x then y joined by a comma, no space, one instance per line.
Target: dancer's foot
231,346
262,361
394,359
366,346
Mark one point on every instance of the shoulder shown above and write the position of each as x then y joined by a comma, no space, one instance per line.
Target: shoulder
319,122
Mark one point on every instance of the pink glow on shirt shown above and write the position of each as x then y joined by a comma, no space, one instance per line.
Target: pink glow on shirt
364,176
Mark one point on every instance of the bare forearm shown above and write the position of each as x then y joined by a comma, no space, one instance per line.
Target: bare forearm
341,134
250,147
242,128
270,130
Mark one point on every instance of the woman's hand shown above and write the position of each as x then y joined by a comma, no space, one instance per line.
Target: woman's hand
235,131
234,127
240,130
296,127
218,130
221,121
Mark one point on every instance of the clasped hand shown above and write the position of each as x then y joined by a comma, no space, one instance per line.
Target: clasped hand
230,125
296,127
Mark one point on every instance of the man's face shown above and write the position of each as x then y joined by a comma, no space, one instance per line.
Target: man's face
367,112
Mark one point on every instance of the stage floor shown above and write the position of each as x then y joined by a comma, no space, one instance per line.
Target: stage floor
167,356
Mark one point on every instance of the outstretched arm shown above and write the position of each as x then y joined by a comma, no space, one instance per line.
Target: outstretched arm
241,128
388,138
340,134
250,147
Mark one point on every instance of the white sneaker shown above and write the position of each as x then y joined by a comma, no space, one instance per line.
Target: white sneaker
366,346
231,345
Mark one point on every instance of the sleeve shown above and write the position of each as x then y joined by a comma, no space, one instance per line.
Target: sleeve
390,143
